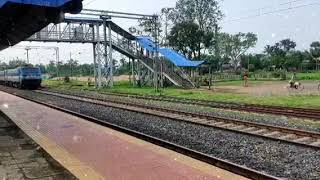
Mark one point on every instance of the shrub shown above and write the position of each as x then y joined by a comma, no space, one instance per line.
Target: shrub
66,79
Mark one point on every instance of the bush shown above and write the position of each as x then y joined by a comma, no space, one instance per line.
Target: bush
66,79
282,74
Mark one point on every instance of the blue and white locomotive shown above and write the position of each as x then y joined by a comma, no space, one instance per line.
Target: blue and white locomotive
22,77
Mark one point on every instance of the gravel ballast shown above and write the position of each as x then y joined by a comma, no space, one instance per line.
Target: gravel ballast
282,121
275,158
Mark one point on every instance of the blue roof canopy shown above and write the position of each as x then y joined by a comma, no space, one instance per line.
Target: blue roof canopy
19,19
45,3
173,56
147,43
178,59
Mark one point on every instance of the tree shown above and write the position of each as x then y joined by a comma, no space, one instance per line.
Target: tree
166,16
42,68
16,63
186,37
123,68
294,59
287,45
72,64
315,53
278,52
233,46
3,66
52,68
148,26
205,13
255,60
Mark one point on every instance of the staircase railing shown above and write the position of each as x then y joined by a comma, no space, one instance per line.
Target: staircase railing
178,77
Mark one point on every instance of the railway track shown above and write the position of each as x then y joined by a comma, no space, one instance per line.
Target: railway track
232,167
276,110
289,135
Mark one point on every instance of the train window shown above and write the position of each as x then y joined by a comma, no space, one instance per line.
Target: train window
30,70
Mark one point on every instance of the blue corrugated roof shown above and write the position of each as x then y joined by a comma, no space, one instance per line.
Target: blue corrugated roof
176,58
19,19
47,3
147,43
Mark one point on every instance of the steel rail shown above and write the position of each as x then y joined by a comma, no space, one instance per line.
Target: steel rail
288,135
313,114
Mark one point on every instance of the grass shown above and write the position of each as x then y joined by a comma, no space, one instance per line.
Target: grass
307,76
306,101
237,83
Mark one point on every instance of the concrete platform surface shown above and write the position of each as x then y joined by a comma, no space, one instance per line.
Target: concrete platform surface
91,151
22,159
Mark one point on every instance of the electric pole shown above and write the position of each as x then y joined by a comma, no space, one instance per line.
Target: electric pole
155,60
27,49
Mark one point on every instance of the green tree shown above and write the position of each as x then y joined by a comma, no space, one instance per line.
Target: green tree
294,59
3,66
255,61
315,49
123,68
279,51
315,53
42,68
287,45
72,66
186,38
205,13
233,46
52,68
16,63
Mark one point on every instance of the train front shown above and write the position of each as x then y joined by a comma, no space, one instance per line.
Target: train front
21,19
30,77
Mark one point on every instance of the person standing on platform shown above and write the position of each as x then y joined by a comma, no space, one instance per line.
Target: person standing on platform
245,78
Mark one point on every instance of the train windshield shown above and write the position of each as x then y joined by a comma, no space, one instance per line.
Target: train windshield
30,71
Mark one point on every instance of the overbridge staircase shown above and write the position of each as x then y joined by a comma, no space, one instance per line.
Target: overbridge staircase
171,72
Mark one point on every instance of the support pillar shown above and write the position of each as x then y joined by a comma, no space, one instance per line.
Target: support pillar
98,54
108,61
133,73
139,73
110,56
95,65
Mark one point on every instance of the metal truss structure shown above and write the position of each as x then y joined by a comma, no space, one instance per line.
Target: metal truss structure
97,28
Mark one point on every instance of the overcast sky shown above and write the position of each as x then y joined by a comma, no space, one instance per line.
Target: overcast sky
267,18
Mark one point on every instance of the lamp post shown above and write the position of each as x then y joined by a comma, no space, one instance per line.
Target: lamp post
70,62
57,60
27,49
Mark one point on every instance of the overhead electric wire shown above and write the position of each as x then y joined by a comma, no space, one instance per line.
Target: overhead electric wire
88,3
269,7
271,12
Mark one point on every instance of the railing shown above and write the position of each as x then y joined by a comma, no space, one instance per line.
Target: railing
85,34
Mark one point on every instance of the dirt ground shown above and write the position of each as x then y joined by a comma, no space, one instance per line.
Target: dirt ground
116,78
271,88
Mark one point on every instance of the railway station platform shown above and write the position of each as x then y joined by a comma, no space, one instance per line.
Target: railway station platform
91,151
